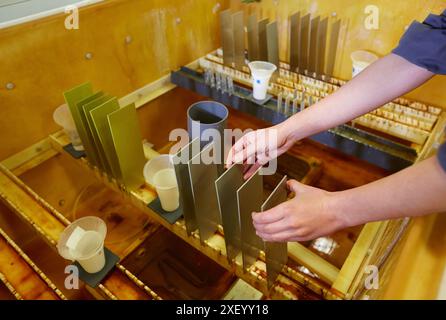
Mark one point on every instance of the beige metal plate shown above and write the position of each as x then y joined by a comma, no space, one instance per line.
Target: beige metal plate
321,47
227,185
250,199
86,108
124,128
203,178
276,253
227,37
263,44
253,38
305,42
314,27
294,41
239,39
272,43
332,48
102,131
181,160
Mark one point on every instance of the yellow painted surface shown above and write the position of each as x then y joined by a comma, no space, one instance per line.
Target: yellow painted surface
43,59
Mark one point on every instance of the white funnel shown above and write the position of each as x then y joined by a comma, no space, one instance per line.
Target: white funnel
83,241
261,72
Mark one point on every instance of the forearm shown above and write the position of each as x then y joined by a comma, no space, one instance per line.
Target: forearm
385,80
415,191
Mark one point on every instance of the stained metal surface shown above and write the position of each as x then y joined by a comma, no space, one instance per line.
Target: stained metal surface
276,253
102,131
263,44
181,160
127,140
253,38
294,41
239,39
333,46
314,27
304,42
203,176
227,185
227,37
250,199
272,37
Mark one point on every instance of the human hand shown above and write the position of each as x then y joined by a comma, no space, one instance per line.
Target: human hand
307,216
257,148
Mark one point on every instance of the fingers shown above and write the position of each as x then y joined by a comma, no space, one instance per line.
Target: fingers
296,187
271,228
250,170
269,216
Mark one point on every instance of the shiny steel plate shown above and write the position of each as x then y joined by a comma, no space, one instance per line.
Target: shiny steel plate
181,160
273,43
250,199
332,48
321,47
203,178
294,41
304,42
276,253
263,44
314,27
227,37
227,185
253,38
238,28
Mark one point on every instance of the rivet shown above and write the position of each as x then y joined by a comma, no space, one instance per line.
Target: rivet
61,202
178,20
10,86
334,14
128,39
89,56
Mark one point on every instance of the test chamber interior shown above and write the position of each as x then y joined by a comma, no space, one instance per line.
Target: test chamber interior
55,201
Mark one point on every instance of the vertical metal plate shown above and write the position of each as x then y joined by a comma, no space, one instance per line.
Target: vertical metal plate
227,37
238,28
294,41
276,253
272,37
304,42
263,44
313,45
227,185
181,160
90,150
102,131
203,178
332,48
86,108
253,38
124,128
321,47
250,199
72,97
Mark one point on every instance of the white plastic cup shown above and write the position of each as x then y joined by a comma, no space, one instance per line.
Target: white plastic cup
62,116
160,174
261,72
361,59
83,241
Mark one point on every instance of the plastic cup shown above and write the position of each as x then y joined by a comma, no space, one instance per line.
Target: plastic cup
160,174
62,116
83,241
361,59
261,72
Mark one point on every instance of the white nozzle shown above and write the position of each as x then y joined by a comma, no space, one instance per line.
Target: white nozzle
261,72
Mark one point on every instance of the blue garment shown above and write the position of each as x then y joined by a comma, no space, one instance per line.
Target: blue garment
424,44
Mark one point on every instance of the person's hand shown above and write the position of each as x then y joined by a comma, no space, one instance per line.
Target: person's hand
307,216
257,148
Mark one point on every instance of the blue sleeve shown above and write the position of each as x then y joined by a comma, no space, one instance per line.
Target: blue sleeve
424,44
442,156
